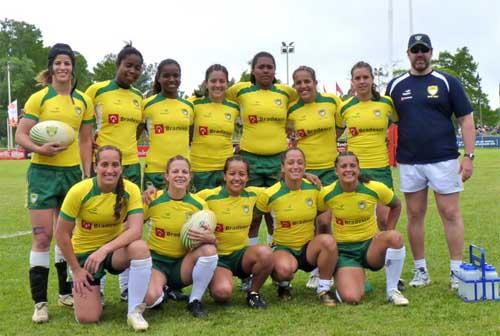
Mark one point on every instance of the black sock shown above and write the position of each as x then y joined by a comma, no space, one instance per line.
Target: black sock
62,277
39,278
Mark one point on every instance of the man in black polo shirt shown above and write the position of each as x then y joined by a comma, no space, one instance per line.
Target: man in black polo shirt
427,151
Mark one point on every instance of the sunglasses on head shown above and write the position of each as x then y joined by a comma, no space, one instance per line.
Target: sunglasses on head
419,48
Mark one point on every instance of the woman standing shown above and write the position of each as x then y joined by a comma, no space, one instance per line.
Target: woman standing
168,120
54,168
91,236
214,120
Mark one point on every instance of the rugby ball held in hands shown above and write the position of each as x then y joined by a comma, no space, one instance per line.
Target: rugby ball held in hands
52,131
198,220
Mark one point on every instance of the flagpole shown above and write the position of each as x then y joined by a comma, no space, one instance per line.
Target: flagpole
10,140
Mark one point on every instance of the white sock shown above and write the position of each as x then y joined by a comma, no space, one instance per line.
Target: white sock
123,280
157,302
315,272
203,272
253,241
58,256
102,284
269,239
39,259
140,274
420,263
455,266
324,285
394,260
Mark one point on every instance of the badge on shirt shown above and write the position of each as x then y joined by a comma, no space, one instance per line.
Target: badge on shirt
432,90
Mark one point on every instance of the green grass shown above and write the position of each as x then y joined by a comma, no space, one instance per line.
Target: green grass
434,310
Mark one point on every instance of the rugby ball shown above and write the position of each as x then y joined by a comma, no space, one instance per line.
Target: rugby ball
197,221
52,131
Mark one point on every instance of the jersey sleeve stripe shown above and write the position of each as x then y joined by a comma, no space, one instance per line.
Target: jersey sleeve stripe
90,121
397,81
30,116
66,216
441,77
135,211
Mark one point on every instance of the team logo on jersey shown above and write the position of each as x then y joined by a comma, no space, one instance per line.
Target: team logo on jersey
377,113
160,233
286,224
203,130
219,228
432,90
159,129
246,209
309,202
33,198
339,221
185,112
361,205
354,131
135,102
322,113
227,116
301,133
86,225
278,102
253,119
78,110
51,130
113,119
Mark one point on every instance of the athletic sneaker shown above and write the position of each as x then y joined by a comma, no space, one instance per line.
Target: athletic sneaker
313,281
420,278
285,292
396,298
175,294
326,298
65,300
136,320
41,313
196,309
246,284
124,295
254,300
401,285
453,281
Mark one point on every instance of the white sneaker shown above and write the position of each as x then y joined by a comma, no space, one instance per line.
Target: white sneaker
41,313
453,281
135,319
65,300
420,278
396,298
313,281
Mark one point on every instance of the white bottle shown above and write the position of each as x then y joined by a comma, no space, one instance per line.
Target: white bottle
490,273
469,272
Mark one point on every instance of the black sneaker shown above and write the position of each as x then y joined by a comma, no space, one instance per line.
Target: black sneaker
254,300
175,294
196,309
124,295
401,285
285,292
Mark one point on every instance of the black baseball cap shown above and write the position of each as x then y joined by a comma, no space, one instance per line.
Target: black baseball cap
422,39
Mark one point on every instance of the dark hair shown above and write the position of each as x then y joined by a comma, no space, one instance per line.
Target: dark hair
175,158
255,59
236,158
307,69
126,51
156,83
210,69
120,201
361,64
45,77
361,178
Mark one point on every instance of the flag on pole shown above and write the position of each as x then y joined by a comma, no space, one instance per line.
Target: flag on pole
338,90
12,113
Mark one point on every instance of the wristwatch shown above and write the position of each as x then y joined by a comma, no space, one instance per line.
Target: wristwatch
469,155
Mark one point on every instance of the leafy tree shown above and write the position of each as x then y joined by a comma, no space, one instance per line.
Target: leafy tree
82,74
145,81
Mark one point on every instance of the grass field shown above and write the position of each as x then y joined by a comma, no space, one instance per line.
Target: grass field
434,310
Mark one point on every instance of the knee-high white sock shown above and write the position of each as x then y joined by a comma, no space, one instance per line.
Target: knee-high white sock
324,285
102,283
203,272
394,260
39,259
140,274
123,279
58,256
253,241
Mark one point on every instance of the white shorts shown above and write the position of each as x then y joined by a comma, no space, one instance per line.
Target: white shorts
442,177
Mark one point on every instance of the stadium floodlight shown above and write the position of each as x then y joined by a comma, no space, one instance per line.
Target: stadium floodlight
287,48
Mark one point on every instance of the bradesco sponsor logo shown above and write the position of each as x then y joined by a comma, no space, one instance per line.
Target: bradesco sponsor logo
161,233
219,228
113,119
253,119
289,224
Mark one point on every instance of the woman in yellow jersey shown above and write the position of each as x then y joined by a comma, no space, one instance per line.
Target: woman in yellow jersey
312,121
367,116
214,120
263,105
173,265
352,200
293,205
168,119
118,110
233,205
91,236
54,168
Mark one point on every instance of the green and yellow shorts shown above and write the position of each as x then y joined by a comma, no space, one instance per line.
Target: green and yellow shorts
233,262
300,256
354,255
170,267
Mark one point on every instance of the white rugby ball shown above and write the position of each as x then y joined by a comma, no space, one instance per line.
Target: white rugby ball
198,220
52,131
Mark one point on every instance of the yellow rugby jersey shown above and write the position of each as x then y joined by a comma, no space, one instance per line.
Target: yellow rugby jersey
354,212
293,211
118,112
167,218
168,122
213,133
366,123
234,216
46,104
92,211
263,114
314,124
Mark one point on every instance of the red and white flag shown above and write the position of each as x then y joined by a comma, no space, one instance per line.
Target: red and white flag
12,112
338,90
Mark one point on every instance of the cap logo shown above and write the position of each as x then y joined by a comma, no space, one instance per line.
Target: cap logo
418,37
